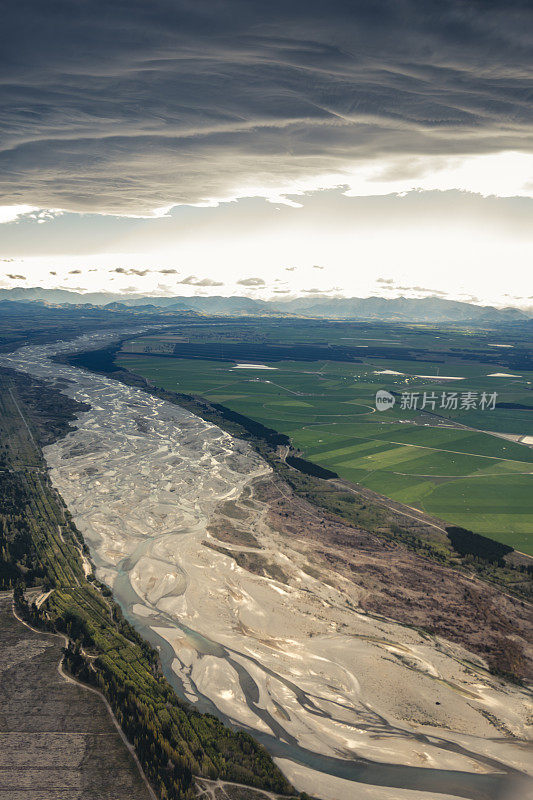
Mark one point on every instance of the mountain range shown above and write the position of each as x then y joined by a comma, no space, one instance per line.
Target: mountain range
400,309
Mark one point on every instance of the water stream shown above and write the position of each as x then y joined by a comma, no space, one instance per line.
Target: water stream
286,661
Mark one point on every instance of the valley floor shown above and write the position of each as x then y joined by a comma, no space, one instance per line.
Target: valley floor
183,523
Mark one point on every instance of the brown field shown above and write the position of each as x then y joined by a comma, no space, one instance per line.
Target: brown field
388,579
57,740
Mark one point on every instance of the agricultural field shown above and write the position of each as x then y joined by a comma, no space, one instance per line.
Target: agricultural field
58,740
466,466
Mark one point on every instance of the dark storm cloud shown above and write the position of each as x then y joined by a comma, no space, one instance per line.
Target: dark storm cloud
126,107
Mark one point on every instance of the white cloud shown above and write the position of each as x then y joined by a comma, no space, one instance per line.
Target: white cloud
251,282
12,213
192,280
442,241
506,174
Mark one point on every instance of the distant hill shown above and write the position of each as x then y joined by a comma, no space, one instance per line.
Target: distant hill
58,296
225,306
400,309
30,309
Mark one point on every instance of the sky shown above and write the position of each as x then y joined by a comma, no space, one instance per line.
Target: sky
342,148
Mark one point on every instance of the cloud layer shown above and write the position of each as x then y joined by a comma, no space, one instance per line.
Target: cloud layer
129,107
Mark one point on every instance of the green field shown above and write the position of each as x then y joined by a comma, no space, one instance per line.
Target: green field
464,476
